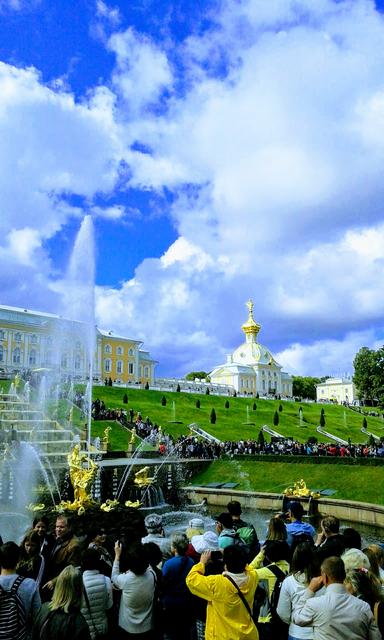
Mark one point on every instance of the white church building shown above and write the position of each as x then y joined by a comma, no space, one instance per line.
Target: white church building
251,368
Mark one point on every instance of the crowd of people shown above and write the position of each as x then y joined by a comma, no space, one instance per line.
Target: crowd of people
207,582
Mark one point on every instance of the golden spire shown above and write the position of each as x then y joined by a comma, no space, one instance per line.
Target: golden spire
251,328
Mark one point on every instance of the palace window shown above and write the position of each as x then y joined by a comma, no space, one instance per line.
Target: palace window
131,368
108,348
119,351
33,338
107,365
130,352
17,337
64,361
119,366
16,356
32,357
2,334
77,363
1,354
78,345
48,357
146,372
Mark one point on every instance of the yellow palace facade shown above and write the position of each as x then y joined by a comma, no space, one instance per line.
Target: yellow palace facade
37,340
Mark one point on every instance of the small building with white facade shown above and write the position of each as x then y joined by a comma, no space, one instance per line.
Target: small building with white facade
336,390
251,368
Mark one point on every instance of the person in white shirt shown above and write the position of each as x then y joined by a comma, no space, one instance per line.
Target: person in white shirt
337,615
303,569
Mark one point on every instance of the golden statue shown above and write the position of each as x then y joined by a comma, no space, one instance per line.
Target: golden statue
106,435
142,479
81,478
300,490
133,436
17,381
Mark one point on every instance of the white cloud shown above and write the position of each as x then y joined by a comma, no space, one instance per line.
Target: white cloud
105,12
142,69
273,153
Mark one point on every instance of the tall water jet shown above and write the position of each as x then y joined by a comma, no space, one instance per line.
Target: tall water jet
79,301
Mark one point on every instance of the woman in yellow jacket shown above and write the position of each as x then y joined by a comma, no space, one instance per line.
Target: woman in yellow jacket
227,615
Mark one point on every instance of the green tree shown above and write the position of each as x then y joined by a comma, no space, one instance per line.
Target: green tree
305,387
227,404
275,418
280,407
178,388
125,399
207,391
365,424
213,416
146,386
198,404
254,406
369,375
260,438
163,401
201,375
322,420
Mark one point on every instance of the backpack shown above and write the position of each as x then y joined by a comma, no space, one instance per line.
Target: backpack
248,537
13,618
275,629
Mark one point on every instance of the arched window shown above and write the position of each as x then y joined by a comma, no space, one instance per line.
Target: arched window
78,345
77,362
107,365
64,361
108,348
119,351
119,366
17,337
130,352
33,338
16,356
146,372
1,354
131,368
2,334
32,357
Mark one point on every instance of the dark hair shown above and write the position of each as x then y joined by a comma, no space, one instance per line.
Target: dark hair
154,553
235,558
275,550
331,524
31,536
333,567
93,532
136,559
225,519
9,555
352,538
303,561
40,519
296,508
234,508
90,560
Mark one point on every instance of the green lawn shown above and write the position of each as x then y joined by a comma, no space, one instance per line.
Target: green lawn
351,483
230,425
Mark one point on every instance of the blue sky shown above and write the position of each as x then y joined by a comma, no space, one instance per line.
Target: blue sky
225,150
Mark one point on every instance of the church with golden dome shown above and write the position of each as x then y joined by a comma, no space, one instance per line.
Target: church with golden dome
251,368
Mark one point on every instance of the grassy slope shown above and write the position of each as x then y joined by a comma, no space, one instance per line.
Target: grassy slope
230,422
351,483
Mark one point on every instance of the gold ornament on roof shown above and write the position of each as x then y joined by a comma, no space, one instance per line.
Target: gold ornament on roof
250,326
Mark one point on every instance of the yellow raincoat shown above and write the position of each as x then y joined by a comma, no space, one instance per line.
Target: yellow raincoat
227,617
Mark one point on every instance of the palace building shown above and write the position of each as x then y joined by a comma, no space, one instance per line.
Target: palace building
35,340
251,368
